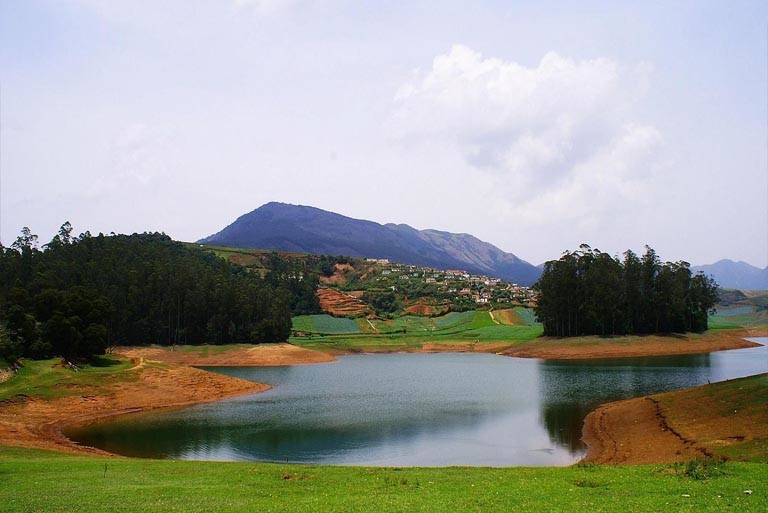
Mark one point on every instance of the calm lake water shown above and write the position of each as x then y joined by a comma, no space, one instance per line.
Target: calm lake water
412,409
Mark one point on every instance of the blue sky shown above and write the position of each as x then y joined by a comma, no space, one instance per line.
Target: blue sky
534,126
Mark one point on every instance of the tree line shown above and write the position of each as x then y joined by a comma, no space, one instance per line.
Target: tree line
588,292
79,295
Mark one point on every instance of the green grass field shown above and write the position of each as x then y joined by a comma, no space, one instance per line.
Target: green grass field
325,324
47,379
454,319
38,481
731,318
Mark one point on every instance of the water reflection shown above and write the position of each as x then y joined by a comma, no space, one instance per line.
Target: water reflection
411,409
570,389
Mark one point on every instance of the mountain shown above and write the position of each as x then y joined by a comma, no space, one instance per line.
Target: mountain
304,229
736,275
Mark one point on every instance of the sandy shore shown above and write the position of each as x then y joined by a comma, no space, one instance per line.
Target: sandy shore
38,423
584,348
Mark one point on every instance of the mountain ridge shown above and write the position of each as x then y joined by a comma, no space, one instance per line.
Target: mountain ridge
735,275
307,229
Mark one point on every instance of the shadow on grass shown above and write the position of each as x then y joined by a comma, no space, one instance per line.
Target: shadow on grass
102,361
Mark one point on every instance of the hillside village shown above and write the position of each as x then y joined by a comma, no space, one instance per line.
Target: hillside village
452,284
356,287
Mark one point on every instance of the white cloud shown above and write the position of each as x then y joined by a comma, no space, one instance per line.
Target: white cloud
534,124
559,142
138,159
601,188
265,7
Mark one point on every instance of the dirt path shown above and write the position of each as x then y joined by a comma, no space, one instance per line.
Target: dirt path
139,363
635,432
39,423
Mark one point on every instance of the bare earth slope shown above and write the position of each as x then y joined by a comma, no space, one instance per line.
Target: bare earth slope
341,304
38,423
263,355
727,420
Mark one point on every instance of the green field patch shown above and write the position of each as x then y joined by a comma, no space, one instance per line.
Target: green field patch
414,323
739,310
325,324
736,319
454,319
527,315
481,320
495,333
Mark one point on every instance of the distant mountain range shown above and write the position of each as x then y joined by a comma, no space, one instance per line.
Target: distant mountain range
736,275
303,229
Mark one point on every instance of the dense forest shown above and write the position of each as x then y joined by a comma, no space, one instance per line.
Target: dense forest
588,292
80,295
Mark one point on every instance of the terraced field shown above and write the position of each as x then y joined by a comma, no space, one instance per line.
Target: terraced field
338,303
410,332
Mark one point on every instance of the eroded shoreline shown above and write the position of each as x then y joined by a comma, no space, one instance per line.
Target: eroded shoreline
170,381
714,420
38,423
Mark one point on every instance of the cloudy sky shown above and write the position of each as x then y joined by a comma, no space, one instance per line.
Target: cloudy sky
535,126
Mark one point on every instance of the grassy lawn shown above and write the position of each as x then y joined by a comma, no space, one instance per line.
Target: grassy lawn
48,379
50,482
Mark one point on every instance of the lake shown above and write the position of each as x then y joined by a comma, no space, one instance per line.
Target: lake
412,409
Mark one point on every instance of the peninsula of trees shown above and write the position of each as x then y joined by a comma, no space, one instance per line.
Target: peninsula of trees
588,292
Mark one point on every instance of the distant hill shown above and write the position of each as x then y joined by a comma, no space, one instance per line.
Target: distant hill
305,229
736,275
